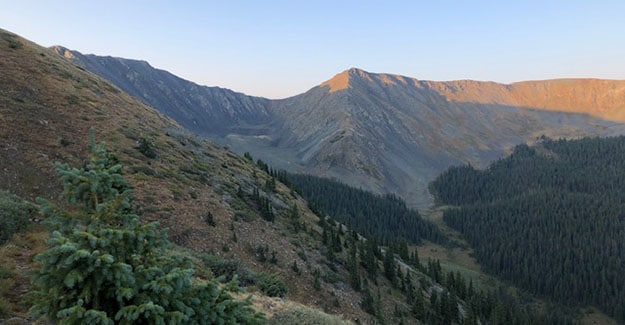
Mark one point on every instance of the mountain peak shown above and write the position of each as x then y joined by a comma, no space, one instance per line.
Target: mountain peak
351,76
356,71
342,80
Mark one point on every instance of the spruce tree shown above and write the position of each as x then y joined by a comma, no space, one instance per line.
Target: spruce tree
354,275
367,303
369,260
418,306
104,267
389,266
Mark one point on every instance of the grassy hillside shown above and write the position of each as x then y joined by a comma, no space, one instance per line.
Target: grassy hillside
47,106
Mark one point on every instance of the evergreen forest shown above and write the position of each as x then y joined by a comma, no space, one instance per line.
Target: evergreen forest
549,218
384,217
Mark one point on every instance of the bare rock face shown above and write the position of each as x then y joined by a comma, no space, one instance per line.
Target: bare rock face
380,132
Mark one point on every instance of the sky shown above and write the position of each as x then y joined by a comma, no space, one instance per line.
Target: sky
278,49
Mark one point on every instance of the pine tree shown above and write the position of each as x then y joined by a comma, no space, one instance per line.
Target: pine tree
409,288
354,275
414,259
434,298
104,267
418,306
368,303
293,211
369,261
317,280
337,246
389,266
295,268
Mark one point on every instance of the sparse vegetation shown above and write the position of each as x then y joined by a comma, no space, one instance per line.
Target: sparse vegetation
15,215
305,316
147,148
272,284
12,41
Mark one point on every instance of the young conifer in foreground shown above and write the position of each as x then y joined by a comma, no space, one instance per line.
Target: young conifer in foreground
104,267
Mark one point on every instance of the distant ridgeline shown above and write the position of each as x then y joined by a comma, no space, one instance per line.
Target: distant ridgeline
549,218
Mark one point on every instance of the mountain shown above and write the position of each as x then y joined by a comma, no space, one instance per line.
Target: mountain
226,215
200,192
204,110
395,133
380,132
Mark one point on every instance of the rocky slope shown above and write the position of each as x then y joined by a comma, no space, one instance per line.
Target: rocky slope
204,110
381,132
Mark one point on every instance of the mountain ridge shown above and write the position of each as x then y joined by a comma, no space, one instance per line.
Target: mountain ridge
382,132
519,93
216,103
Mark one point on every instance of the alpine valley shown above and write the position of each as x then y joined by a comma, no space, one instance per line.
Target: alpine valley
369,199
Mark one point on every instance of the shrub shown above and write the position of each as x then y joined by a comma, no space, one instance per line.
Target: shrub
228,268
244,215
14,215
272,285
64,142
210,220
142,169
146,147
12,41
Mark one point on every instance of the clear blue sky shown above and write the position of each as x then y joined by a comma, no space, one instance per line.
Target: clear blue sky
281,48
